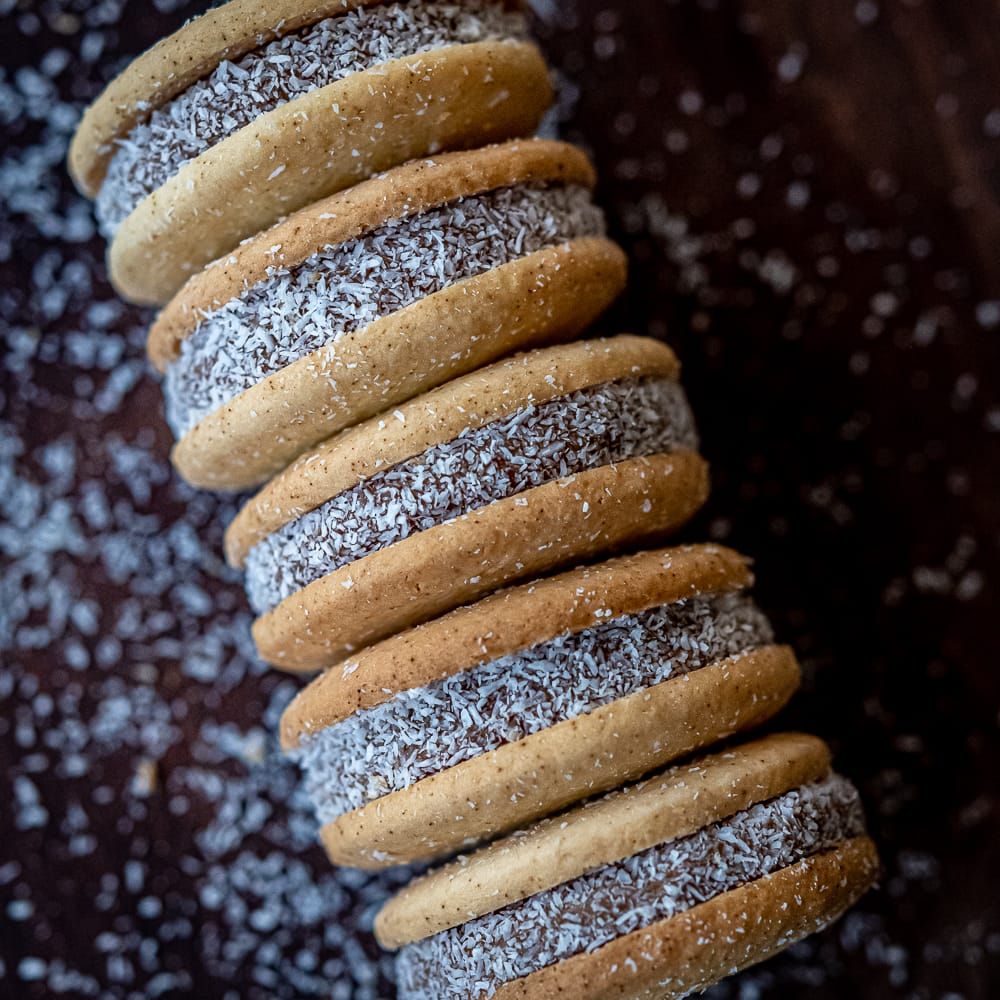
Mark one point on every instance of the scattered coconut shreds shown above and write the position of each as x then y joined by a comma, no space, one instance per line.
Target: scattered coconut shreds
136,723
238,92
426,730
343,288
583,430
476,958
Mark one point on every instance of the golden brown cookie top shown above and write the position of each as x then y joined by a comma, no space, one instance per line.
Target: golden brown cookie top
510,621
675,804
176,62
437,417
408,190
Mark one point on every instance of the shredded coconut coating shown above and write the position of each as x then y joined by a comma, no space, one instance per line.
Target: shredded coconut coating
426,730
583,430
475,959
342,288
238,92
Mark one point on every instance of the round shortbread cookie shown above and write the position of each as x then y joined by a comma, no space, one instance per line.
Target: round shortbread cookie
551,769
675,958
656,890
456,98
591,444
532,699
307,364
472,401
454,79
507,622
402,192
438,569
675,804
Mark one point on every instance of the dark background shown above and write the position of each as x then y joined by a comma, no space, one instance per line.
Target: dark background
808,192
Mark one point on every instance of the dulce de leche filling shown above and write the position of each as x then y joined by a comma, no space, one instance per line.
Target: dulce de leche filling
344,287
476,958
238,92
592,427
420,732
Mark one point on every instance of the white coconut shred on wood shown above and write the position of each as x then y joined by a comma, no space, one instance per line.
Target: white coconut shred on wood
583,430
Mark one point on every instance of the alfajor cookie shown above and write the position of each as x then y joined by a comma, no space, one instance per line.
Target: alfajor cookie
370,296
255,109
534,698
547,458
656,891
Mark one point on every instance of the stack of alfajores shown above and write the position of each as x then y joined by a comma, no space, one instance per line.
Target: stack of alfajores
374,283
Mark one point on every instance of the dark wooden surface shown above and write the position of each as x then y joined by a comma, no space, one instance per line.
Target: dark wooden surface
809,194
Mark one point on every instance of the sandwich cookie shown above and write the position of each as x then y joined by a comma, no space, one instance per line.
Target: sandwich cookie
256,109
513,708
547,458
375,294
656,891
